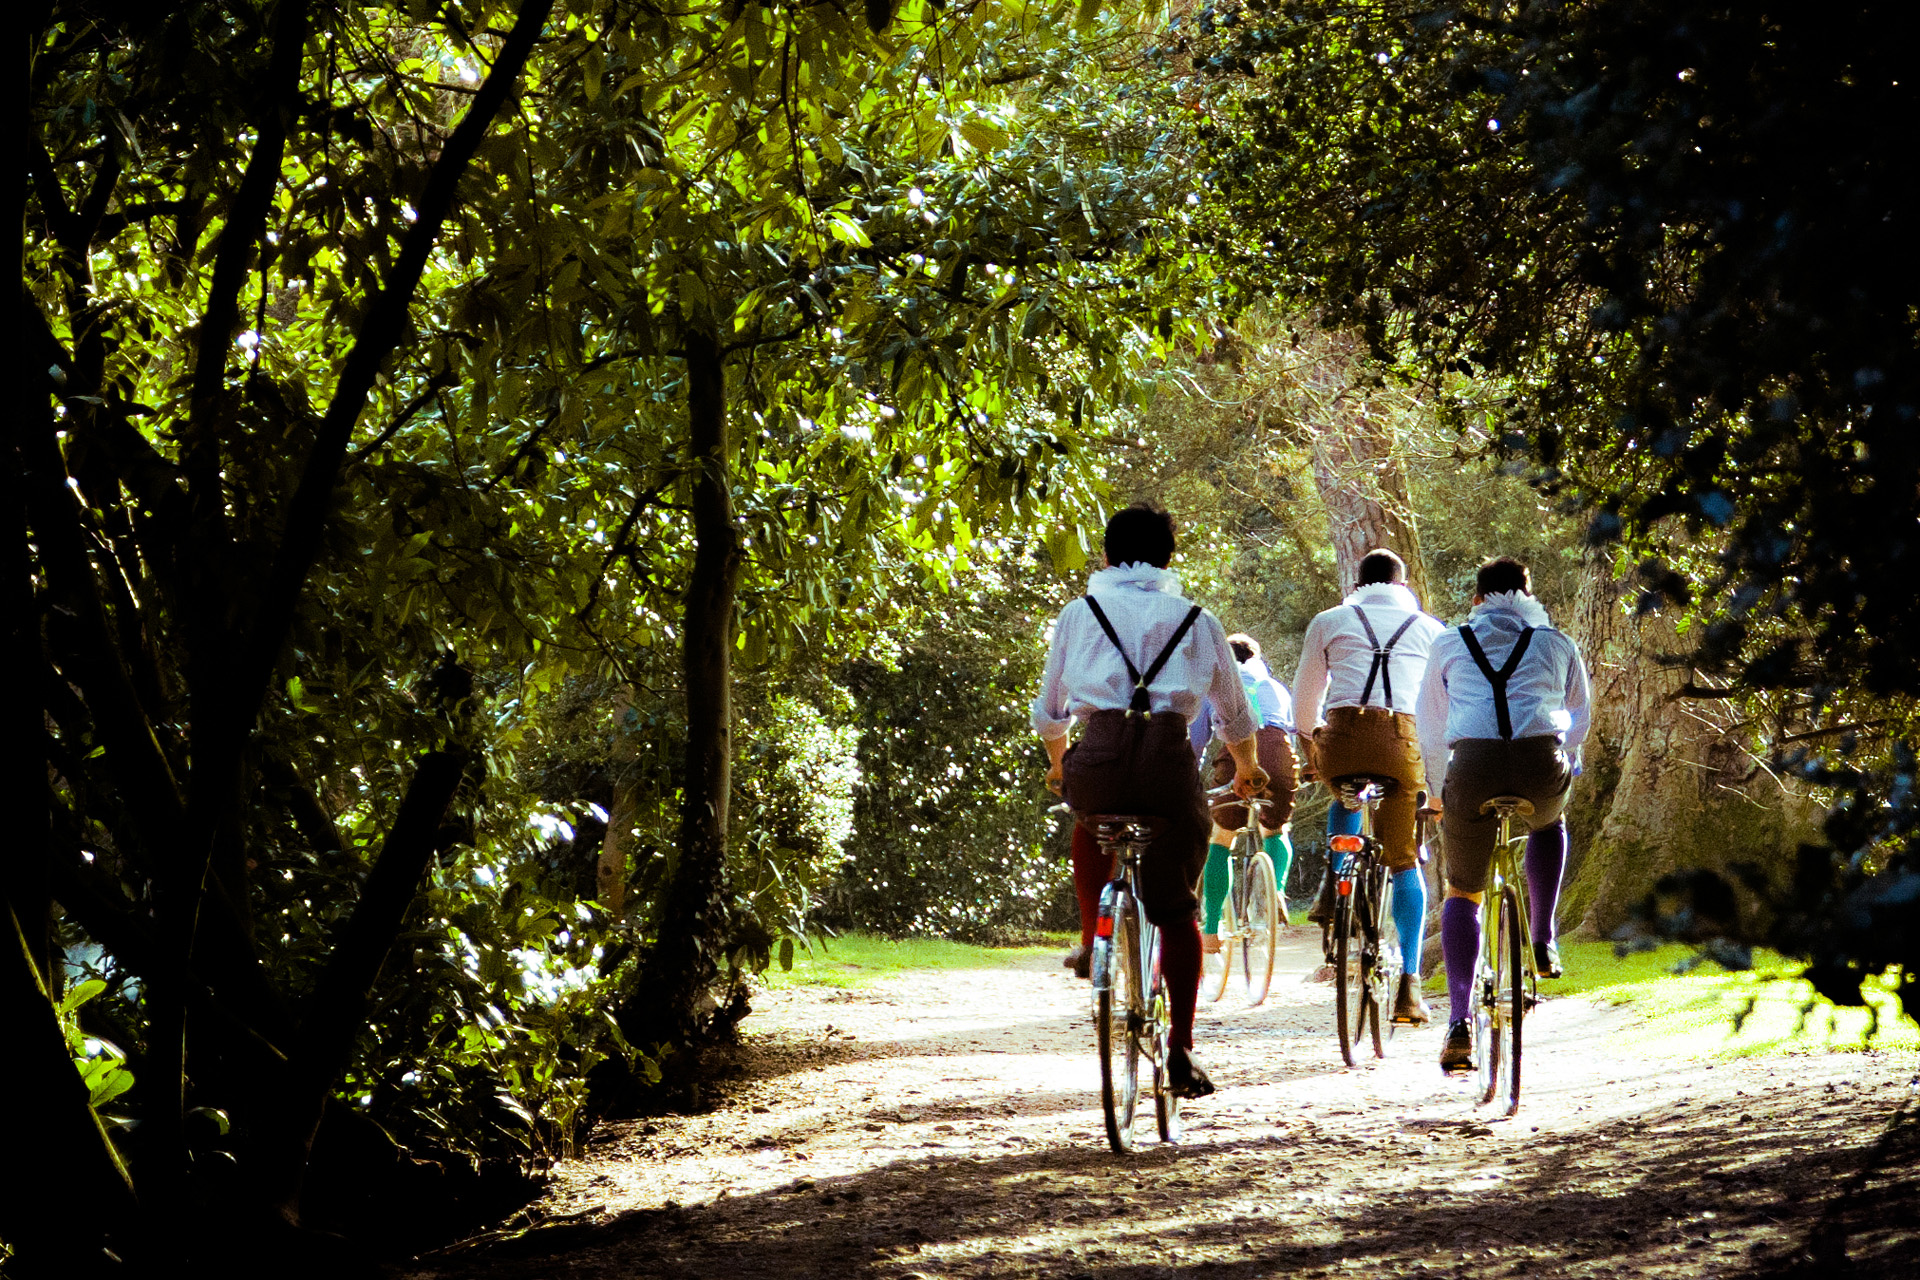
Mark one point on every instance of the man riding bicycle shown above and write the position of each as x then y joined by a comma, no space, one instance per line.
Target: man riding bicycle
1273,710
1132,661
1503,711
1364,659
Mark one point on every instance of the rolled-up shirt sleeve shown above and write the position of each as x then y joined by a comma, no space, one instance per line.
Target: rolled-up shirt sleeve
1310,681
1051,717
1579,702
1234,720
1430,717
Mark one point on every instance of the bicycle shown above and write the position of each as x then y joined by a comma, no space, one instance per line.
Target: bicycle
1365,953
1504,981
1131,1017
1253,913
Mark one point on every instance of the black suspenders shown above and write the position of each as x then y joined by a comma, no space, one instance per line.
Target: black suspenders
1140,682
1381,653
1498,679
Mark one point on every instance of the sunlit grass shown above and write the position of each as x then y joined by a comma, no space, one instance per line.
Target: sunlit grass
859,959
1710,1012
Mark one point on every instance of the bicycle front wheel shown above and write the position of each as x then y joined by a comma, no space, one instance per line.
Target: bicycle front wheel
1112,1019
1349,989
1260,926
1159,1021
1380,956
1217,966
1513,942
1489,1011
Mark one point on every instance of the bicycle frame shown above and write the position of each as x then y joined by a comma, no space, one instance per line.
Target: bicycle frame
1361,914
1126,959
1506,984
1238,928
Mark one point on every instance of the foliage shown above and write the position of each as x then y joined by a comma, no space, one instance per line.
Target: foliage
846,293
951,832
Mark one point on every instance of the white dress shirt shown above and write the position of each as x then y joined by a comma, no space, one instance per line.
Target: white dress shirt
1085,673
1336,654
1547,693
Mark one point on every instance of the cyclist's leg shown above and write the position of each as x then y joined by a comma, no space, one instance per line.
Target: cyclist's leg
1276,757
1170,872
1548,782
1213,885
1395,823
1467,838
1091,868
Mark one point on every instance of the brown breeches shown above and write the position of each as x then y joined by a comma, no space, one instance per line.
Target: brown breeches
1144,766
1375,741
1276,757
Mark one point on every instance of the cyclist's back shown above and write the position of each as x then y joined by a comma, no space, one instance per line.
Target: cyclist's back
1363,660
1503,712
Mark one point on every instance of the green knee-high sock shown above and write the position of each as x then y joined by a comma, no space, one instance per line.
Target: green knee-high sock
1280,850
1213,887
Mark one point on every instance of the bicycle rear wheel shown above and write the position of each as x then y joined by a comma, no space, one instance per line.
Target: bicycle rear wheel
1112,1017
1513,942
1349,989
1259,926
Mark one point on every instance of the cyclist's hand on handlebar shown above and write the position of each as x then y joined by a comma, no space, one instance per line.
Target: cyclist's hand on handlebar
1431,809
1248,785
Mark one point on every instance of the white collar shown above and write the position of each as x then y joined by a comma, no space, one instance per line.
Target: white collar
1137,576
1258,666
1531,611
1395,595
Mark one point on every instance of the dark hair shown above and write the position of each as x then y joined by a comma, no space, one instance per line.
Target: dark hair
1504,574
1140,534
1382,566
1245,647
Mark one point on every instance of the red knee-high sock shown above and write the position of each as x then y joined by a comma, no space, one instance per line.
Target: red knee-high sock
1091,868
1180,966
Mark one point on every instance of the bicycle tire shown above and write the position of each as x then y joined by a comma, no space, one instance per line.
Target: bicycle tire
1260,928
1217,967
1514,935
1159,1022
1349,998
1380,955
1490,1018
1112,1016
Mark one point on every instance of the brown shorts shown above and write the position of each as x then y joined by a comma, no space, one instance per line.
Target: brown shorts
1482,768
1276,756
1145,766
1376,741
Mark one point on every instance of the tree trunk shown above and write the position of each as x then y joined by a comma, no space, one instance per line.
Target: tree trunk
694,918
1359,470
1668,782
623,809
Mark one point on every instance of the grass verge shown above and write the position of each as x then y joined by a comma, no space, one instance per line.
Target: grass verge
860,959
1710,1012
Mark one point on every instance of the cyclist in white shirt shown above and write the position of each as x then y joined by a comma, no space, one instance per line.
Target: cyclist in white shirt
1362,662
1503,711
1273,709
1133,661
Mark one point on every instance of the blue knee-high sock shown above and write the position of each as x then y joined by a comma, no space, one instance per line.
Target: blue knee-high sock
1410,917
1342,821
1460,944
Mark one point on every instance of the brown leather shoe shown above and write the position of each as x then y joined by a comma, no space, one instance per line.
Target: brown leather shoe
1080,960
1409,1007
1456,1055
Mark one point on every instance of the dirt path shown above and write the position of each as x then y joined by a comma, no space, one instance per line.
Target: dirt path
946,1126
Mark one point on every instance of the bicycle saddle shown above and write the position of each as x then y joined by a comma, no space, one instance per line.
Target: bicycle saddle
1112,826
1358,781
1517,804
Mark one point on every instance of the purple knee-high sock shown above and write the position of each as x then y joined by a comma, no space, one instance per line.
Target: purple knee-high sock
1460,945
1546,859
